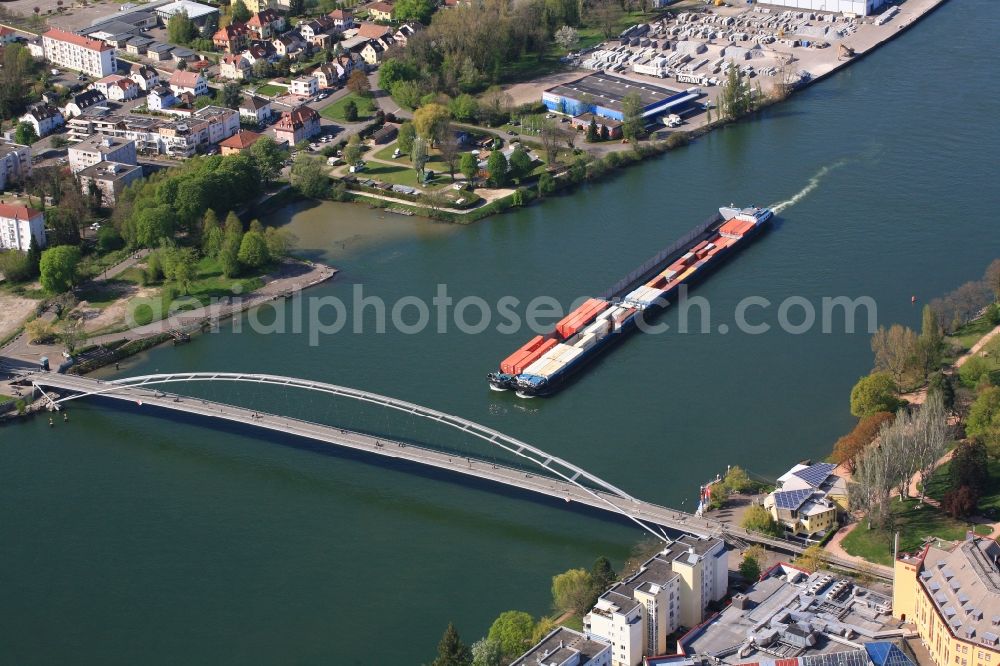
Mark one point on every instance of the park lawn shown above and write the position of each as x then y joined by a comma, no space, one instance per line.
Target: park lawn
913,525
399,175
968,335
989,503
335,111
272,90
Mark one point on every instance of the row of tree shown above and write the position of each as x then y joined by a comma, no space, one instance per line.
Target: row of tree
968,301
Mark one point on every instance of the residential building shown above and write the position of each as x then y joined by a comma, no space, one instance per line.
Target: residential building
260,51
300,123
160,97
374,50
192,82
197,12
256,6
672,589
317,31
181,137
100,148
110,178
235,67
405,31
90,56
255,108
265,24
181,53
380,11
221,123
582,123
18,225
304,86
287,45
117,88
15,164
44,118
565,647
370,30
35,47
78,103
329,75
232,38
343,19
808,500
239,142
145,77
952,594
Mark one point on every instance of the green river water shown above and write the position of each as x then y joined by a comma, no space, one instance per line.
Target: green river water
132,537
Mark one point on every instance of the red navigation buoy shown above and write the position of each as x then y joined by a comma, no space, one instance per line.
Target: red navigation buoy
913,299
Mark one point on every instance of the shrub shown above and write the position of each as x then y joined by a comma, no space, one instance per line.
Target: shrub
973,370
677,140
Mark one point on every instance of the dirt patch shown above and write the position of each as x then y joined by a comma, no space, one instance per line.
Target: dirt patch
14,310
531,91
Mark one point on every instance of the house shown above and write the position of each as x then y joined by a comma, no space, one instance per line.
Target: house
198,13
84,100
343,19
15,164
348,61
260,51
220,123
317,31
405,31
380,11
369,30
300,123
304,86
158,51
256,109
191,82
265,24
287,45
98,148
257,6
160,97
235,67
145,77
808,499
374,50
239,142
582,122
329,75
20,224
109,178
232,38
90,56
44,118
117,87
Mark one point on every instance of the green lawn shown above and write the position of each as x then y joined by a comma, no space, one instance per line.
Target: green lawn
399,175
335,111
913,525
272,90
989,503
969,334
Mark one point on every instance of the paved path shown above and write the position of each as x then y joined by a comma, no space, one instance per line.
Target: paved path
983,341
119,268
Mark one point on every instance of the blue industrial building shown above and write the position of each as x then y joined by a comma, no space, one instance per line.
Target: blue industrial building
602,95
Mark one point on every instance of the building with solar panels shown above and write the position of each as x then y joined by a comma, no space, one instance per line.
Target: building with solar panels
793,618
808,500
951,592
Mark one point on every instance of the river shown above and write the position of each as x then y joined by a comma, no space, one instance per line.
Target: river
127,537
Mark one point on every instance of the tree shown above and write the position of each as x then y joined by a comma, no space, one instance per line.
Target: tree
750,568
896,352
519,164
15,80
404,140
602,574
940,384
572,591
811,559
296,7
253,250
632,123
268,158
592,134
758,519
973,370
450,152
991,278
181,29
352,151
543,628
451,650
278,242
874,393
240,12
551,137
109,240
738,481
211,242
486,653
351,111
431,121
606,134
182,67
983,421
931,340
567,37
960,502
929,440
231,243
309,176
850,446
230,95
606,15
358,84
469,166
546,184
968,466
735,97
511,631
414,10
25,134
464,108
878,471
59,268
496,166
419,156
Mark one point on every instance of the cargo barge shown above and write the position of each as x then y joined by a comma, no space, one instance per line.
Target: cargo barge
543,364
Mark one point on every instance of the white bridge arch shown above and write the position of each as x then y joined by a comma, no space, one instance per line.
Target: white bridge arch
564,469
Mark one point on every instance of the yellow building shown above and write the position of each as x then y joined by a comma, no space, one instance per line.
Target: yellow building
256,6
808,499
952,595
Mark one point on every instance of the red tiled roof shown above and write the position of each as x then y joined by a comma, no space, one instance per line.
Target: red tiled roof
17,212
340,14
79,40
381,7
373,30
241,140
185,79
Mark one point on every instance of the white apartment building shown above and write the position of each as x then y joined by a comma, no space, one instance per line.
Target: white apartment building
305,86
671,590
15,164
18,224
83,54
99,148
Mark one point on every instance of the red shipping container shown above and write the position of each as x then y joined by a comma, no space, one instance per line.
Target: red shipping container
534,355
574,321
507,365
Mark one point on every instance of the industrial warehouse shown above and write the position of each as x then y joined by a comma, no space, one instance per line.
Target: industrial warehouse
601,94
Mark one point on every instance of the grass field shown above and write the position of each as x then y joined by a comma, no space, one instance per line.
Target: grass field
913,525
400,175
271,90
989,503
335,111
968,335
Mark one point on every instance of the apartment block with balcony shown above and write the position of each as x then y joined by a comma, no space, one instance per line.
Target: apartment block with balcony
101,148
90,56
15,164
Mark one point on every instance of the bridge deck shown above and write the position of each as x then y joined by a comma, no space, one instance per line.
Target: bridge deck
483,469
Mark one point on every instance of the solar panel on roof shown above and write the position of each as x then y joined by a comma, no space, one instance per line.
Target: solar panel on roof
816,474
791,499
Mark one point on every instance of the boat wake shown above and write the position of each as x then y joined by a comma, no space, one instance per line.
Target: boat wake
804,192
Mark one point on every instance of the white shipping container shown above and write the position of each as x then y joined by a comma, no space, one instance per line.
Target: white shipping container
536,367
598,328
587,341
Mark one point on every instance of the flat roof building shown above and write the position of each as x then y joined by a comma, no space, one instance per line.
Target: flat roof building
101,148
565,647
602,94
110,178
197,12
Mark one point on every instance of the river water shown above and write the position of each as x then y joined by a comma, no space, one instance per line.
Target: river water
127,537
